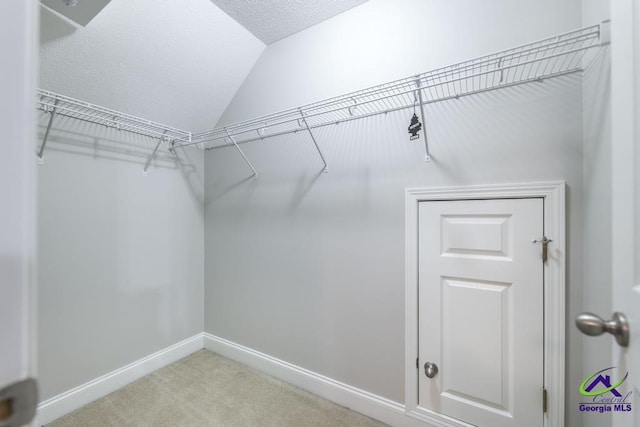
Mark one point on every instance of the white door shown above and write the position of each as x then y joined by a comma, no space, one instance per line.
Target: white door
18,42
625,63
481,310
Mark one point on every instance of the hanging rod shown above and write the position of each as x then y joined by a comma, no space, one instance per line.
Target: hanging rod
551,57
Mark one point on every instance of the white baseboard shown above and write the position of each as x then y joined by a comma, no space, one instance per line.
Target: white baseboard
69,401
372,405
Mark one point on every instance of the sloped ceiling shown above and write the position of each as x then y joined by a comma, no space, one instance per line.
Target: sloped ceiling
272,20
162,60
156,59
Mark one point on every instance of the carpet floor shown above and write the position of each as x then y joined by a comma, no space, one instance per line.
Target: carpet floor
206,389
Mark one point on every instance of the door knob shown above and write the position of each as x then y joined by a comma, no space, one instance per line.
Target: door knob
430,369
591,324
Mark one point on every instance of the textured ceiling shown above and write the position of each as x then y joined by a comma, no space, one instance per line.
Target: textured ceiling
155,59
272,20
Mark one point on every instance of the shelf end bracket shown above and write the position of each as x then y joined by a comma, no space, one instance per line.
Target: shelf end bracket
241,152
306,125
605,32
46,134
427,155
153,153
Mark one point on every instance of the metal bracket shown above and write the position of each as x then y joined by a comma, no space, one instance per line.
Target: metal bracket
545,242
46,134
353,107
605,32
153,154
263,130
241,152
116,124
501,69
304,120
427,155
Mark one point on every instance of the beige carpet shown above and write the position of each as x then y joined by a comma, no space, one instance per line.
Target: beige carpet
205,389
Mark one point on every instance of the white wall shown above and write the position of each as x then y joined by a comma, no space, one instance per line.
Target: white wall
596,295
309,267
121,255
121,266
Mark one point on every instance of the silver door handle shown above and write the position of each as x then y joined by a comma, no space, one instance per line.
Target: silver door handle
430,369
594,325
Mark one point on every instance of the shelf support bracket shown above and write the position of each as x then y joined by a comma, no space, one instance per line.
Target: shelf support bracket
241,152
304,120
46,134
605,32
153,153
427,155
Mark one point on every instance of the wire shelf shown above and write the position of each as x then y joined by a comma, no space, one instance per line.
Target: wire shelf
547,58
543,59
81,110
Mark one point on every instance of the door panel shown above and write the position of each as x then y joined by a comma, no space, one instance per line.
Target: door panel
488,305
625,197
476,236
481,310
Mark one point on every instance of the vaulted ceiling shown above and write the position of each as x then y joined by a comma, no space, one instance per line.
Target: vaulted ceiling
173,61
272,20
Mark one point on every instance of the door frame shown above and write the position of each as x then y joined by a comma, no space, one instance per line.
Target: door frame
19,28
19,47
553,194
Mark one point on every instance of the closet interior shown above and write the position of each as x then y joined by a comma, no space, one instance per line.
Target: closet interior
202,188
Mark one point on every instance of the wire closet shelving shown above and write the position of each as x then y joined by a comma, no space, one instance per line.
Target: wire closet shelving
65,106
551,57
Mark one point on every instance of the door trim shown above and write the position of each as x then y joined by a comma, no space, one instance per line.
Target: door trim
19,28
553,194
